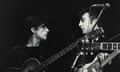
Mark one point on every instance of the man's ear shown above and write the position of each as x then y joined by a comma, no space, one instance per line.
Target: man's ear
33,30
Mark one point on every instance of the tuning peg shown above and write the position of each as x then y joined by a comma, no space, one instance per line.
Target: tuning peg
82,48
103,36
87,41
81,53
102,30
86,53
91,53
97,39
87,48
82,41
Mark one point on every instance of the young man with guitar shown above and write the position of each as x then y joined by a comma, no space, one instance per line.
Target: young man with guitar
26,57
90,62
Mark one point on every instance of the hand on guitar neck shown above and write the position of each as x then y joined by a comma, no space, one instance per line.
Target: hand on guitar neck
98,63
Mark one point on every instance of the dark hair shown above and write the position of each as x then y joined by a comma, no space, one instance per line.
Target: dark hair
83,11
35,22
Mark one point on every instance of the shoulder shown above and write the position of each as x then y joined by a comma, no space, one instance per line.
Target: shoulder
16,49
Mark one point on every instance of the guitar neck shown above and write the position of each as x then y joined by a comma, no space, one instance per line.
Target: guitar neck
111,56
99,45
61,53
57,56
106,46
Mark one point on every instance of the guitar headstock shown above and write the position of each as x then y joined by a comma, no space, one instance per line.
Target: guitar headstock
86,45
96,33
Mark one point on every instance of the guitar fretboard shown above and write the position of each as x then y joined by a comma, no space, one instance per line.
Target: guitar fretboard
57,55
61,53
106,45
110,57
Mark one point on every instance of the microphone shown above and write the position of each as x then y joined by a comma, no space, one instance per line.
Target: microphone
101,5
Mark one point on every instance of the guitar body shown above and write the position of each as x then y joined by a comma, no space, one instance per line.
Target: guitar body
93,66
28,66
90,68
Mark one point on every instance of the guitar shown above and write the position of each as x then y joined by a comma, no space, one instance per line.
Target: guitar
33,65
104,46
111,56
95,66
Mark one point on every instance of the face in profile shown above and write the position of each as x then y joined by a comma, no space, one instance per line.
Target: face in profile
85,23
41,32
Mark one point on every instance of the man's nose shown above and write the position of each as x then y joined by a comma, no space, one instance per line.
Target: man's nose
80,24
47,29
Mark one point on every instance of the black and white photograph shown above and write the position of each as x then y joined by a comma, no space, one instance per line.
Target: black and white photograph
59,36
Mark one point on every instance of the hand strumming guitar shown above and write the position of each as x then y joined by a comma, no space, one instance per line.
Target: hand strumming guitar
94,66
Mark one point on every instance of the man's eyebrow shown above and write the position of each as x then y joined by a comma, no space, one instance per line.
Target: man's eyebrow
81,19
42,25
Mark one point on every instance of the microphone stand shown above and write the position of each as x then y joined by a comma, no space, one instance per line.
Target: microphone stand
98,17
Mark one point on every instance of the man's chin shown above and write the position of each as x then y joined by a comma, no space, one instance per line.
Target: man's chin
83,32
44,38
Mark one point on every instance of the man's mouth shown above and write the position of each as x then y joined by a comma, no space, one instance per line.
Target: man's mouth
82,28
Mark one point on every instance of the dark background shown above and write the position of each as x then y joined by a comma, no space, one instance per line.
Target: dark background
61,18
